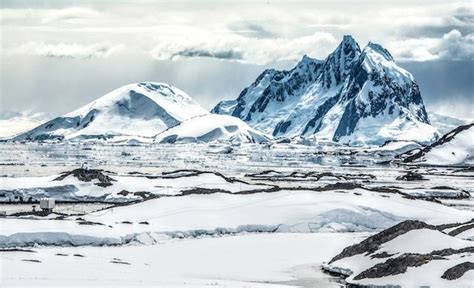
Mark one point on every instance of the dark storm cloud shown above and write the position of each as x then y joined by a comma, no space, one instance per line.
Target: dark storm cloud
445,84
461,19
223,55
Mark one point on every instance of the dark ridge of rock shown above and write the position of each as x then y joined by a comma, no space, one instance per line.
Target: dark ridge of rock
372,243
31,260
396,265
145,194
399,265
193,172
203,191
457,271
316,176
446,138
452,225
90,223
16,250
78,255
468,169
123,193
120,262
461,229
383,254
87,175
411,176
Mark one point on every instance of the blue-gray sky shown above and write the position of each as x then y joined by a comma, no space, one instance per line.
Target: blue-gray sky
59,55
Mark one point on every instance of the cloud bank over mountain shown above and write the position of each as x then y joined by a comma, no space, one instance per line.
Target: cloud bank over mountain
58,35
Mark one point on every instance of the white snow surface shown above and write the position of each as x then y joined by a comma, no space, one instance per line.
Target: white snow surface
250,260
458,151
285,211
212,127
72,189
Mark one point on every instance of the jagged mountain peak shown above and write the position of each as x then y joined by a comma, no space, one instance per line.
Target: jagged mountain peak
353,95
379,49
338,64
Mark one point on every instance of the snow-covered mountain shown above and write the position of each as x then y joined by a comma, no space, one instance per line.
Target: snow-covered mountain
211,127
353,96
137,111
454,148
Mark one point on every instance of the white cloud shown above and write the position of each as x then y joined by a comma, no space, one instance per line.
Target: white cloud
251,32
451,46
72,14
63,50
240,48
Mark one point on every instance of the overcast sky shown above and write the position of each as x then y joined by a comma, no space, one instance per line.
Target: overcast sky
59,55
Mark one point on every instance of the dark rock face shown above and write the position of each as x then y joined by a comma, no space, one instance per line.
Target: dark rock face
87,175
399,265
394,266
411,176
457,271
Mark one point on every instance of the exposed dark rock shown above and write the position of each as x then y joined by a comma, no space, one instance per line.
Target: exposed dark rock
373,243
144,194
411,176
123,193
90,223
396,265
16,250
457,271
87,175
461,229
78,255
120,262
31,260
199,190
446,138
399,265
383,254
273,175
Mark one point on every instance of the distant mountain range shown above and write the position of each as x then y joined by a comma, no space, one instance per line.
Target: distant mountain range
353,96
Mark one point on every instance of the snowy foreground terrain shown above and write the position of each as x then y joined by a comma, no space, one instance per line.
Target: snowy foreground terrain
234,215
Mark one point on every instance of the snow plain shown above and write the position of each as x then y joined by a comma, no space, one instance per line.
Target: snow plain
241,215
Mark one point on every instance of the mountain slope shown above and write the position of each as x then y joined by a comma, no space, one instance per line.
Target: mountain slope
454,148
141,109
353,96
211,127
